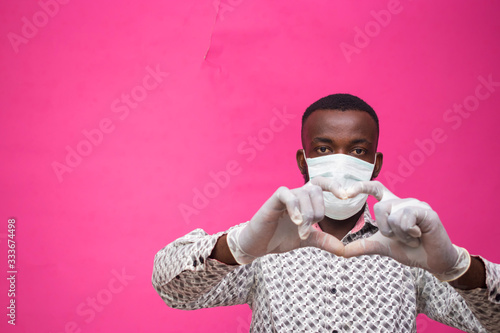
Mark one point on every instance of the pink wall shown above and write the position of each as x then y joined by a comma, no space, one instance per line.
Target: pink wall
170,92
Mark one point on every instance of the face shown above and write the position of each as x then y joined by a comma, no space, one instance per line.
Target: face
349,132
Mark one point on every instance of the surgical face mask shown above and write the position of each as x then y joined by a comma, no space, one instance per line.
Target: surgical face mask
346,171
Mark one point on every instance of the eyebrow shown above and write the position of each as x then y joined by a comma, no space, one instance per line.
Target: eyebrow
330,141
320,139
360,141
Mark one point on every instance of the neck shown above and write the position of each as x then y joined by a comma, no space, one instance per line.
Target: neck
340,228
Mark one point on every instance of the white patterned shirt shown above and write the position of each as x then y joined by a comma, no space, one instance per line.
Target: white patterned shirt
311,290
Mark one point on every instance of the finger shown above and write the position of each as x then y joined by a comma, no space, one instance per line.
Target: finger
409,224
415,232
318,209
325,242
427,220
366,246
410,202
330,185
317,201
382,212
373,188
401,222
419,209
307,212
291,202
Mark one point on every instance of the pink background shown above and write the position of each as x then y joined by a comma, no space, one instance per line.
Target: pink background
228,75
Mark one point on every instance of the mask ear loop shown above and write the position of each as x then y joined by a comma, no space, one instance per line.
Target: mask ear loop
374,163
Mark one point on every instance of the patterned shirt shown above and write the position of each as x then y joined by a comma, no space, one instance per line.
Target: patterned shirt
311,290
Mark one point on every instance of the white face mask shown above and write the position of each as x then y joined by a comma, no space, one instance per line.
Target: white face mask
346,170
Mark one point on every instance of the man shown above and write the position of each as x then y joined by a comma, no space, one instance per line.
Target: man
313,260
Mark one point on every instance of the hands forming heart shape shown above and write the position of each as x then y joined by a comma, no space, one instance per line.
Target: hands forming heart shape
409,230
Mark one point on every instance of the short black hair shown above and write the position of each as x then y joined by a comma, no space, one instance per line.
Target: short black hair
342,102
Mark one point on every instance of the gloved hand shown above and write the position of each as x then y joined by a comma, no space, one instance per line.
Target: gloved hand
409,232
285,222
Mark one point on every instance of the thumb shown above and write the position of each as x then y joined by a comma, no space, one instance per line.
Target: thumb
325,241
370,245
373,188
330,185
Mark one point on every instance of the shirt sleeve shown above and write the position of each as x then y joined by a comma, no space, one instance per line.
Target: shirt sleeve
185,278
485,302
476,310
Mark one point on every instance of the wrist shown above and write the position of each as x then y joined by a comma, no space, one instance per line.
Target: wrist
221,252
475,277
234,245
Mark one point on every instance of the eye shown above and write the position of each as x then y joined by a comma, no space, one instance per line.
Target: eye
323,150
359,151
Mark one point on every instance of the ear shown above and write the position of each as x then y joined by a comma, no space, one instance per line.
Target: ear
301,163
379,159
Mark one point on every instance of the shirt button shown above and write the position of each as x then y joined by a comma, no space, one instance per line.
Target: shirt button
335,331
333,290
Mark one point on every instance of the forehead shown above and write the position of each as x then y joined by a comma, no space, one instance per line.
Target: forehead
339,124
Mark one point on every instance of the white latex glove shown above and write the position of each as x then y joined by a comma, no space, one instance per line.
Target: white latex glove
409,232
285,222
